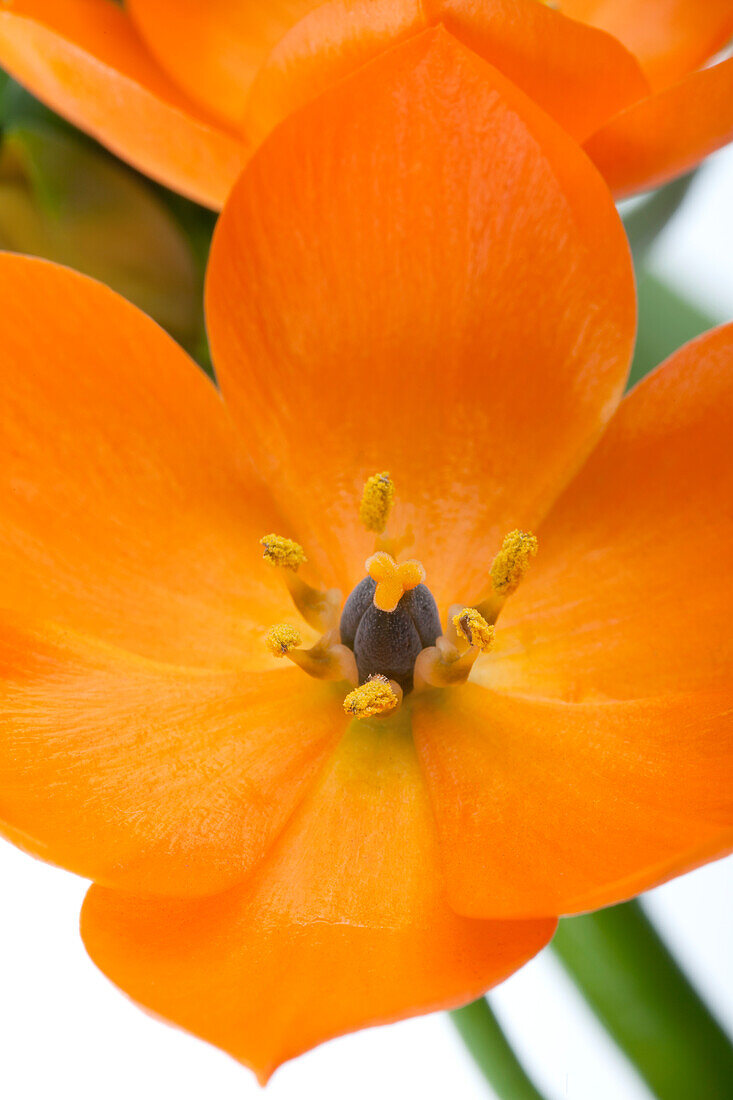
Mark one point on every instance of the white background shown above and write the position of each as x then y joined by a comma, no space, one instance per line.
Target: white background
66,1032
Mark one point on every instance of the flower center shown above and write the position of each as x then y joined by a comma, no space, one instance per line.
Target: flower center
388,640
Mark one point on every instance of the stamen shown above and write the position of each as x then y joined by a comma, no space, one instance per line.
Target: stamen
283,552
448,663
507,571
281,639
442,665
327,659
472,627
376,502
392,580
319,609
512,562
377,697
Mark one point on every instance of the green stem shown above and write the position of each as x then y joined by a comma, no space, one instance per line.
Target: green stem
636,989
486,1042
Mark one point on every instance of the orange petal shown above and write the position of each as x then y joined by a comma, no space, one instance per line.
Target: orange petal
125,512
631,594
667,133
329,43
368,295
345,925
669,37
578,74
84,58
213,49
159,778
611,768
552,807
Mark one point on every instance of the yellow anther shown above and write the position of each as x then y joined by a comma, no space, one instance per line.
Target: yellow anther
473,628
281,639
283,552
319,609
374,698
512,561
393,580
376,502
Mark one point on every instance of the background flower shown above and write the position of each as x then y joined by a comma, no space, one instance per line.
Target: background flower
184,89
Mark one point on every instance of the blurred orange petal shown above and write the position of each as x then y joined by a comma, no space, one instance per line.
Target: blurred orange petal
575,72
669,37
84,59
578,74
213,48
667,133
344,926
366,316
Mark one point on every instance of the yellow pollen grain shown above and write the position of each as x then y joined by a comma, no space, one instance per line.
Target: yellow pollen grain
512,561
281,639
473,628
282,552
371,699
392,580
376,502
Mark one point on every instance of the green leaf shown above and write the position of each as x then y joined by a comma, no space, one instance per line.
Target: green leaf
650,216
666,322
63,199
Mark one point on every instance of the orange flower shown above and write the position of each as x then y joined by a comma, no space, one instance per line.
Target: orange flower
420,284
184,89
